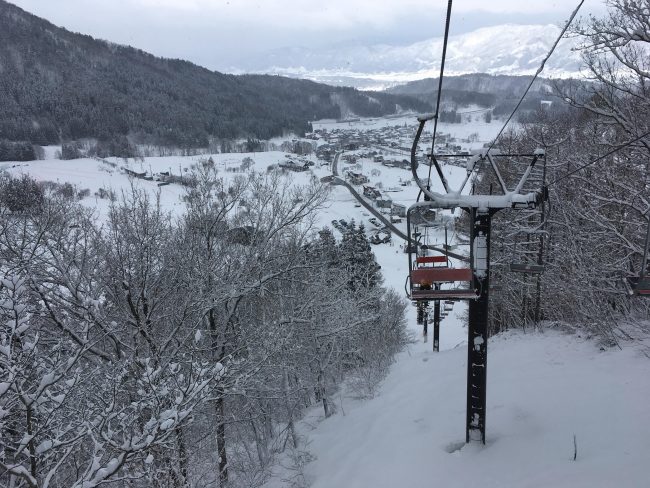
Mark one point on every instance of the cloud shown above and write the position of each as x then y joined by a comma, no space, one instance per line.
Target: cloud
219,33
339,14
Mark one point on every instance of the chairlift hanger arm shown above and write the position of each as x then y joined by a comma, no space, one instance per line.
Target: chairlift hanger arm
444,181
502,183
412,241
422,119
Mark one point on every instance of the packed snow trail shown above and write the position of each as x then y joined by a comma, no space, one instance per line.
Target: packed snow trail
542,389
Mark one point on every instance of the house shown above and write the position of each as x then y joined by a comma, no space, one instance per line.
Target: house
293,166
135,174
404,164
398,210
351,146
384,203
325,152
356,178
371,192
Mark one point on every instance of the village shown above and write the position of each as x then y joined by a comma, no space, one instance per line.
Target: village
361,155
356,153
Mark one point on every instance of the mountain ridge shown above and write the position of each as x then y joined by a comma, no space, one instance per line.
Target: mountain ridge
508,49
56,85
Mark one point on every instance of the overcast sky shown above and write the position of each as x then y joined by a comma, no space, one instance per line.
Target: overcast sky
218,33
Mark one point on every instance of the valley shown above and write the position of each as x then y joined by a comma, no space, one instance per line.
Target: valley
410,429
284,266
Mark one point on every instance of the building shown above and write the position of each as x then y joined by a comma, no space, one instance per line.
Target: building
356,178
398,209
371,192
135,174
293,166
384,203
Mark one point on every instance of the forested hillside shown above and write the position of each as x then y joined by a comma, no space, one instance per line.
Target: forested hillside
500,92
58,86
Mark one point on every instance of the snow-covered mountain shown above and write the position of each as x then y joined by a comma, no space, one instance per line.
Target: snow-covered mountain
506,49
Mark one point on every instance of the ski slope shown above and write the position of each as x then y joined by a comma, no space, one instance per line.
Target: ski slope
543,388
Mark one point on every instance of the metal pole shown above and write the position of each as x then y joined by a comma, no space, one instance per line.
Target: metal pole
540,253
478,327
436,324
425,321
446,245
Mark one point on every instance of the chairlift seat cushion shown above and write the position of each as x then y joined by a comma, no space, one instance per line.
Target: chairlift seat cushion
455,294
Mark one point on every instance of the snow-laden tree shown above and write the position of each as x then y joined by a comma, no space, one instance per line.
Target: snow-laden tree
86,397
239,236
590,234
358,259
48,352
148,351
616,53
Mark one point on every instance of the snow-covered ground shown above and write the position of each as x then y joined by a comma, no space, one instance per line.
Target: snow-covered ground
543,388
108,174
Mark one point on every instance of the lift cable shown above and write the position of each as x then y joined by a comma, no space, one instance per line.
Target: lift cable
600,158
539,70
442,70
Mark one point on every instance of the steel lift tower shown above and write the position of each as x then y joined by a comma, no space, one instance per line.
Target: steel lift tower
430,282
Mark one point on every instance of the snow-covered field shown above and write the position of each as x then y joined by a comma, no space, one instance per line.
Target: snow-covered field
543,388
94,174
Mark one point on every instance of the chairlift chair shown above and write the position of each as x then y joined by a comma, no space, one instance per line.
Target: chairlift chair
429,273
527,268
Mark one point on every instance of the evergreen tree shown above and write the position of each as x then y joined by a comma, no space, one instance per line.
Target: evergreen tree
325,250
358,259
21,194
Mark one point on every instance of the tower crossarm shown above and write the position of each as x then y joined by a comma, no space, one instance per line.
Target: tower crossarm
454,198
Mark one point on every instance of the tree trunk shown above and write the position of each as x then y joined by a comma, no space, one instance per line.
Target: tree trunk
221,440
182,456
323,396
287,404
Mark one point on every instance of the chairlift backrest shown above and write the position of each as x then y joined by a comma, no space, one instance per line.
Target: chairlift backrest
431,259
440,274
